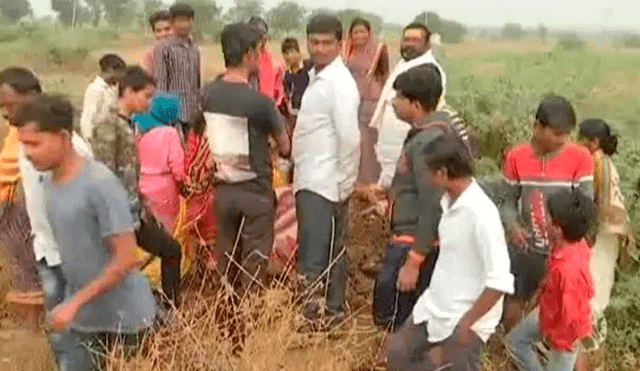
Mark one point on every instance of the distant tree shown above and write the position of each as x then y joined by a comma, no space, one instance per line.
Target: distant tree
631,41
243,10
207,16
451,32
286,17
119,12
64,8
434,22
543,32
512,31
14,10
571,41
346,16
421,18
96,11
151,6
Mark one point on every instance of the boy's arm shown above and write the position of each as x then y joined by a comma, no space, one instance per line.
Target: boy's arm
498,278
162,70
275,126
123,260
511,193
92,101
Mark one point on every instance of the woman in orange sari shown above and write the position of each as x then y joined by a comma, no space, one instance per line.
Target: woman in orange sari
368,61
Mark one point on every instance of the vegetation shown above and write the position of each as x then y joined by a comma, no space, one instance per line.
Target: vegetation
512,31
571,41
14,10
451,32
286,17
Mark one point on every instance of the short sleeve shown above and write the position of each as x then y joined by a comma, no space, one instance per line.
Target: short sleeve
268,117
509,169
111,206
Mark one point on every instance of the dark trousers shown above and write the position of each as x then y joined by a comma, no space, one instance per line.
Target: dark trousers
321,225
409,349
243,253
154,239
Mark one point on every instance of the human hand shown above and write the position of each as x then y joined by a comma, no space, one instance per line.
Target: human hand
464,332
518,238
62,316
408,277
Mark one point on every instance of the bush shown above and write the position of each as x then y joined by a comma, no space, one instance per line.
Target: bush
571,42
631,41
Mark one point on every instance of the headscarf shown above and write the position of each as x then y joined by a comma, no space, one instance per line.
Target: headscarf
164,109
370,53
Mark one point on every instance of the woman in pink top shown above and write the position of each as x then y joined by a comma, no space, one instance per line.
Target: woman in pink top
161,159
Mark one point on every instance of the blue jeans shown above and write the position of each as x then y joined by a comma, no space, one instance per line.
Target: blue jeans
521,340
54,285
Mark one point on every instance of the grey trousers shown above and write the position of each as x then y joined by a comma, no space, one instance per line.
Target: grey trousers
409,349
248,261
320,255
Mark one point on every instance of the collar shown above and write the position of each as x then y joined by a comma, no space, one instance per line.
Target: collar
468,195
571,249
99,80
327,70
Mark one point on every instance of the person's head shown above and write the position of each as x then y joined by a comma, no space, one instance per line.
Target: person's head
324,39
182,19
447,160
418,91
261,26
45,126
135,90
572,214
360,31
240,43
291,52
164,109
17,86
415,41
555,119
595,134
111,68
160,22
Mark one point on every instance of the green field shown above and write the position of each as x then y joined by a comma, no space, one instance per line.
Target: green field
496,86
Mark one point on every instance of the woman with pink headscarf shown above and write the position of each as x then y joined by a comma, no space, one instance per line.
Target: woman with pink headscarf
368,61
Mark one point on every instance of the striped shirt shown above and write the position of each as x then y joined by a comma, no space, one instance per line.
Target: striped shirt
177,69
529,179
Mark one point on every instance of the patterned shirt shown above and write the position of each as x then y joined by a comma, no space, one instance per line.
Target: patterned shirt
113,144
177,70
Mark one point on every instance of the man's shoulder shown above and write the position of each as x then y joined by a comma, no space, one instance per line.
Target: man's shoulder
519,150
576,151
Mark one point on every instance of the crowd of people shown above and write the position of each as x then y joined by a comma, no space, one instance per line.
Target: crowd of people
161,165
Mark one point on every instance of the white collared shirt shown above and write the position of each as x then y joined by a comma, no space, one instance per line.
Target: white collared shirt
326,139
473,256
391,130
44,245
100,100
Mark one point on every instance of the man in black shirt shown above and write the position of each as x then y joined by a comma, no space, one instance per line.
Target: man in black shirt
239,122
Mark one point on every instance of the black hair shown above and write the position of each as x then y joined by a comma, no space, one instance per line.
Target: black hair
422,83
160,15
358,21
325,24
450,153
288,44
237,39
136,78
111,62
599,129
556,112
181,10
419,26
21,80
49,112
259,24
573,212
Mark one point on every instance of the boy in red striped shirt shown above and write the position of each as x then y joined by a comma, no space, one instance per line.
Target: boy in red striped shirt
564,315
532,172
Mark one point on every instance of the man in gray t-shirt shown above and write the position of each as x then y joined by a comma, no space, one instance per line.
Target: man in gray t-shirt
107,300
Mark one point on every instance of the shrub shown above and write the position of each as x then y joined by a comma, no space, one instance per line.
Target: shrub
631,41
571,42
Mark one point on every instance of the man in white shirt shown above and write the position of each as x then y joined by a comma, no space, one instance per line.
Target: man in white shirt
101,96
415,49
326,154
460,310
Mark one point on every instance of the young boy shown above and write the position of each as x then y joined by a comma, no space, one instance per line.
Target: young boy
239,121
177,62
296,77
532,171
101,95
462,307
160,22
416,204
106,298
563,315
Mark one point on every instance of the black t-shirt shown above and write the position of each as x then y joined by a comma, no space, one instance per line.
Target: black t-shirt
245,115
295,83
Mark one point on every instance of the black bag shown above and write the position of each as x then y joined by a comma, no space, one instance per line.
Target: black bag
390,306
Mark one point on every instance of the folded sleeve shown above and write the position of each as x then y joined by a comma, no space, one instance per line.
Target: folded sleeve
489,236
584,174
111,205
